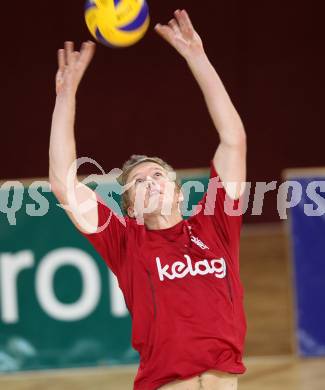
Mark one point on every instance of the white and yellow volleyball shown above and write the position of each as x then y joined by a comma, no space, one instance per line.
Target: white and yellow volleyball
117,23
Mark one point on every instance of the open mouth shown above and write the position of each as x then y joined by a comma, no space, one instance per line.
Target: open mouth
154,192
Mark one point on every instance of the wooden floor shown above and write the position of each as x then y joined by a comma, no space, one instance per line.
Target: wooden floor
263,373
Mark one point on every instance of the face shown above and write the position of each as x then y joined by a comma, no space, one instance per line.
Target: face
153,190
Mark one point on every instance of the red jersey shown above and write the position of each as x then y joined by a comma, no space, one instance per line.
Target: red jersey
182,288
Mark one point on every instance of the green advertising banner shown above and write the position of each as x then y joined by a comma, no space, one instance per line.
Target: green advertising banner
60,306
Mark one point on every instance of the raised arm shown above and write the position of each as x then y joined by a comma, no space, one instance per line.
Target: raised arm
62,154
230,156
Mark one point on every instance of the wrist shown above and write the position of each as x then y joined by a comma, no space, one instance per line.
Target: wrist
66,96
197,59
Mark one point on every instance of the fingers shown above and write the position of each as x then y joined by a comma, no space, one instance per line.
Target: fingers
65,56
177,28
187,19
61,60
68,56
72,65
68,49
184,22
165,32
86,53
174,26
75,57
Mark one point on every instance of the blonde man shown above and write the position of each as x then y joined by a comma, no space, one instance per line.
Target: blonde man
180,278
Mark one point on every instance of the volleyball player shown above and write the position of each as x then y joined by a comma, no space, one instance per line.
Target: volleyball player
180,278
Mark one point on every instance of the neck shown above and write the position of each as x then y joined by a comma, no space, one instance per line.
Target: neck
157,222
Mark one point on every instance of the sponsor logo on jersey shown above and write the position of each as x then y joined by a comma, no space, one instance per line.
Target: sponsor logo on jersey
179,269
198,242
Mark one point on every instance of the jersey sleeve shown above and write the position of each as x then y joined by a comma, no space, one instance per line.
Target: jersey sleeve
219,211
108,241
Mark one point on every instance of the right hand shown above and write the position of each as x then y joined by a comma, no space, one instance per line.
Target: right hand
72,66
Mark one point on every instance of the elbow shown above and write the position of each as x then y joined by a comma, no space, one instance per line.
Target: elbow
236,138
57,187
58,191
60,188
241,138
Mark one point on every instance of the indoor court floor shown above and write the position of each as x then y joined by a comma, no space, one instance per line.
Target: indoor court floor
263,373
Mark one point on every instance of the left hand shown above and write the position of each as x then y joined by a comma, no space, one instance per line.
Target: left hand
181,35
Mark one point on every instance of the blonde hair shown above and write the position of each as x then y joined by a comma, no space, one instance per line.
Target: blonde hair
132,162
